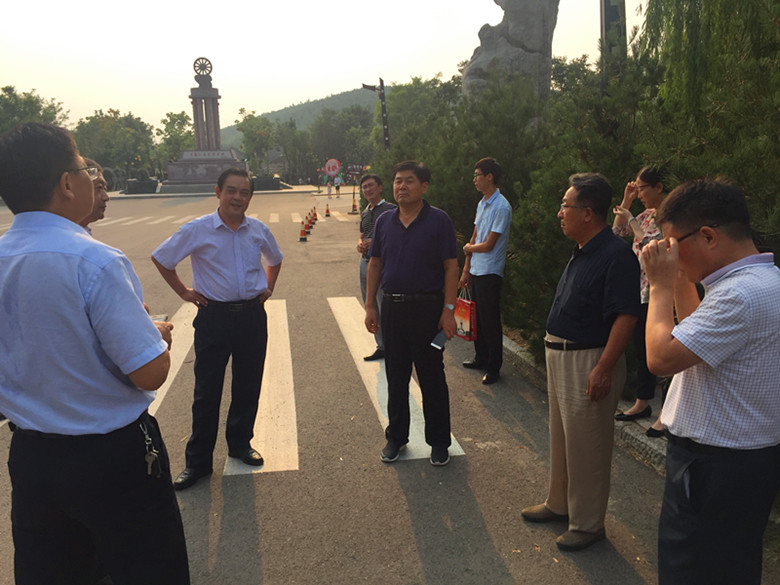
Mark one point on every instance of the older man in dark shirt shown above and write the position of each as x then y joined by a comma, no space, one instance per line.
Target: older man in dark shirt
414,259
590,322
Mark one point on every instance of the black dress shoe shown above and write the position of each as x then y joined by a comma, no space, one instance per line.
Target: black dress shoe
248,456
377,355
188,478
654,433
473,365
490,378
637,415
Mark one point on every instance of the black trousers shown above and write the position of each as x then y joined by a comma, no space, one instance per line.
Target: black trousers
489,345
83,502
409,328
715,509
646,380
220,333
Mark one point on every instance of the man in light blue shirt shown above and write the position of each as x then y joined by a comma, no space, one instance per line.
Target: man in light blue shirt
229,286
484,268
80,361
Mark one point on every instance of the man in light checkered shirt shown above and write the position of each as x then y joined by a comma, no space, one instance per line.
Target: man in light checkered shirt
722,413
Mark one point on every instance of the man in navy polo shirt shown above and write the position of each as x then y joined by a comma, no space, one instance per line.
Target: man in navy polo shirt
414,260
591,321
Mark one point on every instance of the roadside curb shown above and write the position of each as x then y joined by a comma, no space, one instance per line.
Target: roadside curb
628,435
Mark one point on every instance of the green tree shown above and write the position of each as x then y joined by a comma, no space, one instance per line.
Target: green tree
343,135
296,146
176,135
257,138
17,108
717,110
122,143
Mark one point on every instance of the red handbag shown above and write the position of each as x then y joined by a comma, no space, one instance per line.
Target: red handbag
466,316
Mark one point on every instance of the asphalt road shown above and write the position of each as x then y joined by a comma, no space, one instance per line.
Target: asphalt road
324,509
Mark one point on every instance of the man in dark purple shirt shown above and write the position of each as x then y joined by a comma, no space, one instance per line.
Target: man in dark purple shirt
414,260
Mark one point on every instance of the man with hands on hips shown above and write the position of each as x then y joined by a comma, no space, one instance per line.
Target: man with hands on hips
414,261
722,412
230,287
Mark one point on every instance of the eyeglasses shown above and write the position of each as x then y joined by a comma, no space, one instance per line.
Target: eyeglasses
91,171
689,234
478,175
565,206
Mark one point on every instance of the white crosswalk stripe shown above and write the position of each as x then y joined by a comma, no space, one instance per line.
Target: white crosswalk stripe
184,219
162,219
296,217
339,216
349,314
274,218
105,222
276,429
135,221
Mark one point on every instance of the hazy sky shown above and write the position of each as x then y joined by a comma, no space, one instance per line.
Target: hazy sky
137,56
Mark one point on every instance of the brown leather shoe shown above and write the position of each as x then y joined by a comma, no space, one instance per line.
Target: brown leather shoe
541,513
572,540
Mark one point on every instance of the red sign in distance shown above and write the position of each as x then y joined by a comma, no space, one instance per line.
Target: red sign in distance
332,167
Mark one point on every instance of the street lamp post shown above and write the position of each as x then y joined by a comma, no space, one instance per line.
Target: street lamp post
380,91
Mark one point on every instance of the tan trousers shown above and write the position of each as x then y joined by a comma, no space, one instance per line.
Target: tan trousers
581,437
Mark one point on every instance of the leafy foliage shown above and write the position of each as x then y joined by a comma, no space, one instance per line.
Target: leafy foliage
18,108
257,138
177,135
123,143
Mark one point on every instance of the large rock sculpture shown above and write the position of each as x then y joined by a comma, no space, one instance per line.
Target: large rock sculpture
521,43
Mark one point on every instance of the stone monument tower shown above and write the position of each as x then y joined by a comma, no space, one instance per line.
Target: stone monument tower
197,170
205,107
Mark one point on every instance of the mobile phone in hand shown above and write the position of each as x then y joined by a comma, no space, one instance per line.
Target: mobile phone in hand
439,340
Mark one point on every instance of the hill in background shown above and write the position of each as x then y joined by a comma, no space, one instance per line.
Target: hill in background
304,114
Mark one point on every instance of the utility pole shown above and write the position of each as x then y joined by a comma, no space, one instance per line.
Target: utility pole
380,91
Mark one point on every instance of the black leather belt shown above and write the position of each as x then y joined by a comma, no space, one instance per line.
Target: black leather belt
694,447
42,435
400,298
569,345
234,306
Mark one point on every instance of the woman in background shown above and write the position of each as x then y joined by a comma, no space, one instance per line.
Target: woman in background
650,189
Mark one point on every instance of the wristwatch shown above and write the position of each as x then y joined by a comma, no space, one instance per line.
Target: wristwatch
449,306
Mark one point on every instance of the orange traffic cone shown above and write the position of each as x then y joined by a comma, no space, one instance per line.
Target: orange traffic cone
315,214
303,233
308,225
354,206
327,210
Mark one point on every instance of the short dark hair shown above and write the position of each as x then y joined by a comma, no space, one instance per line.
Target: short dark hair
235,172
419,169
707,201
91,162
33,157
365,178
652,176
490,166
594,191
